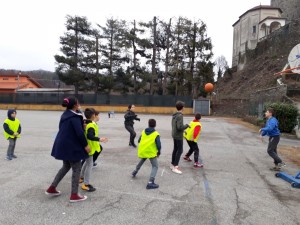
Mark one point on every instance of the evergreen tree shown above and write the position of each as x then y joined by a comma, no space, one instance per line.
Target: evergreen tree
74,44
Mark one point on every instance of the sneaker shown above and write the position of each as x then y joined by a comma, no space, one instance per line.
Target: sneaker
133,145
8,158
186,158
171,166
275,168
95,164
282,164
14,156
176,170
88,187
134,173
77,198
81,180
52,191
152,185
198,165
130,144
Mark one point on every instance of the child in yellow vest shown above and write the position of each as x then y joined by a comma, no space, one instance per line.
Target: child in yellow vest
191,134
12,131
149,148
91,133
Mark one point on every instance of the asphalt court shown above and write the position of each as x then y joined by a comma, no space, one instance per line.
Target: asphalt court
234,187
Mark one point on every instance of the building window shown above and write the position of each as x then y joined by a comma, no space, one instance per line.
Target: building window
254,29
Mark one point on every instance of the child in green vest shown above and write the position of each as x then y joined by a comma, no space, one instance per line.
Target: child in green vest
12,131
91,133
149,148
191,135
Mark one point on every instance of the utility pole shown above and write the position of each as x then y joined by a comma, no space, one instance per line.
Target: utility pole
18,81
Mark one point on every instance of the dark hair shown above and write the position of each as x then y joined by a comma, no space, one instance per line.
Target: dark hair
152,123
197,116
179,105
95,111
271,110
129,106
69,102
89,112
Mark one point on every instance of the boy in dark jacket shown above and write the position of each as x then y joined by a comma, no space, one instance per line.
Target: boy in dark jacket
130,116
271,130
177,134
12,131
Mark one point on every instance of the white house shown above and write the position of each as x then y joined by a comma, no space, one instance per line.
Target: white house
253,26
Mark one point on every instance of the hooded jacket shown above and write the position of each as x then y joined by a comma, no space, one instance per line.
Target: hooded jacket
5,125
177,126
70,141
271,128
129,117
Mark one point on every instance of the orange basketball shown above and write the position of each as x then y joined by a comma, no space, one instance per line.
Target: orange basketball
209,87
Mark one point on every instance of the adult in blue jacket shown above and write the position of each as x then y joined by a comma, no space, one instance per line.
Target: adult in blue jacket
71,147
271,130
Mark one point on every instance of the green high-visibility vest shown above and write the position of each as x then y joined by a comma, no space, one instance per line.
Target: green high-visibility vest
147,147
14,126
189,132
94,145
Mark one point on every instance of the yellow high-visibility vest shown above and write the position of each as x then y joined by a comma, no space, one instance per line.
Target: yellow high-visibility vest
147,147
94,145
189,132
14,126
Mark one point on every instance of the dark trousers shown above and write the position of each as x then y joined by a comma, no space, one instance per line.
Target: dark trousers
193,149
67,165
177,151
272,149
130,129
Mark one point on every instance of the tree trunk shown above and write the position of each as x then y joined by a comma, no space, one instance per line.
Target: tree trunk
153,57
134,59
193,61
167,59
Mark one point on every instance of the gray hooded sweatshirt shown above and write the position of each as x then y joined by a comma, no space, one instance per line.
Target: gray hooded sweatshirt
177,126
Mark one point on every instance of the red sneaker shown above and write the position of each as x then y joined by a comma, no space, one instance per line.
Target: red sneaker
77,198
187,158
52,191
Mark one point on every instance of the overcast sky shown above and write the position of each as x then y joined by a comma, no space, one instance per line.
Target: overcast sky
30,29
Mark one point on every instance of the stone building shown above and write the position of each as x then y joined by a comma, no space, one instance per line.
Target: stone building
253,26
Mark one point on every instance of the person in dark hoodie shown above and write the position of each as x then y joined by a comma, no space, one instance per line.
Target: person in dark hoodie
149,148
271,130
177,134
71,147
12,131
130,116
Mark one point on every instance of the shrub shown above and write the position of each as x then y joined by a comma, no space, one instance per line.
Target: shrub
286,114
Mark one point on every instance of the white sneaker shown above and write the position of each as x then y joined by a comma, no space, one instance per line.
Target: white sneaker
176,170
171,167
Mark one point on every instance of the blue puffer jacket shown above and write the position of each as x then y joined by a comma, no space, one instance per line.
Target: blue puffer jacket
271,128
70,141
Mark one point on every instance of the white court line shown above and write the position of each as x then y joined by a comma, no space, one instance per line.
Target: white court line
151,197
162,172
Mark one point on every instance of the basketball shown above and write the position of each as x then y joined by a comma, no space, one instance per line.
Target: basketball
209,87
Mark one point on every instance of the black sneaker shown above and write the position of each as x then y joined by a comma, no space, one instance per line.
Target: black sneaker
14,156
130,144
133,145
152,185
94,164
88,187
134,173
